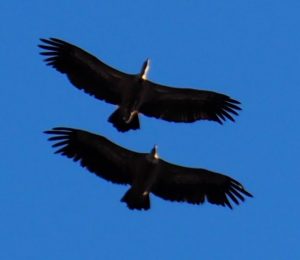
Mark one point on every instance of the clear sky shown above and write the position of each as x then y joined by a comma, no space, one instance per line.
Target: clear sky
53,209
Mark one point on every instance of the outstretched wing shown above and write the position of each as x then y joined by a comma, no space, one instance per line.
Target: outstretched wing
85,71
177,183
187,105
96,153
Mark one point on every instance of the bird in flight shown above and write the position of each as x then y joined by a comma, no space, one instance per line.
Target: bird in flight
145,172
134,94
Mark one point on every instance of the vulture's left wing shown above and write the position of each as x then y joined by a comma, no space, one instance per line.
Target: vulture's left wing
187,105
177,183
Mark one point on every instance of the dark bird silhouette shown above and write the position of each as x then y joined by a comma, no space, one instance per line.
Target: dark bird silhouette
145,172
133,93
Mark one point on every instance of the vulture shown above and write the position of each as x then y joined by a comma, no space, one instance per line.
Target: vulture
145,172
134,93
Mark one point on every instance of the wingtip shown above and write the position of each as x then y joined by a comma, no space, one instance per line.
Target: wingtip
59,130
227,203
52,41
231,100
45,40
248,193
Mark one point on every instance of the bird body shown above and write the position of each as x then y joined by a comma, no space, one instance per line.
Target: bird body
146,173
134,94
126,116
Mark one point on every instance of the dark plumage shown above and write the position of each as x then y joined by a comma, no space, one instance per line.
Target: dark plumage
145,172
133,93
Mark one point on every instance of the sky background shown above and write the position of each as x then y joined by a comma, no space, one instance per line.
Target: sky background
53,209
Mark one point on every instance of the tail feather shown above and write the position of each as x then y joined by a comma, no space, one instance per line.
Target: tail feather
136,200
118,122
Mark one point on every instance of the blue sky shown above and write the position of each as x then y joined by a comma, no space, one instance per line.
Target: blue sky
53,209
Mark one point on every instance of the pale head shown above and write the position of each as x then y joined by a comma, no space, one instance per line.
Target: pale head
145,69
154,152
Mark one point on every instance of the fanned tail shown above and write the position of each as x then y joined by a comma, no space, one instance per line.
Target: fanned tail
136,200
116,118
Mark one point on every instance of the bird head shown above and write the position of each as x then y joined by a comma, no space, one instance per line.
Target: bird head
154,152
145,69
